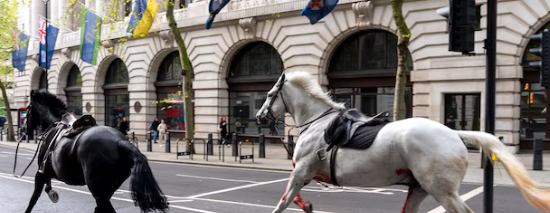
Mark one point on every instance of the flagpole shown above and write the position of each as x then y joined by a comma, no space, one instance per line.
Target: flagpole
46,43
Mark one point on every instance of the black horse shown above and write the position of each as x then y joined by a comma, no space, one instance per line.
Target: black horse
79,152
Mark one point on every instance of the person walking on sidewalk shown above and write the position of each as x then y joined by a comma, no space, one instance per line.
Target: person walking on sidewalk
223,130
154,127
162,130
124,126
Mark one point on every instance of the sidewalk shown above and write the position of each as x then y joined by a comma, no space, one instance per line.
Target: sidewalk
276,159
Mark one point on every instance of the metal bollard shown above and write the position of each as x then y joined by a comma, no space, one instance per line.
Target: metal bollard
537,154
262,146
2,135
150,141
290,146
235,145
210,145
167,149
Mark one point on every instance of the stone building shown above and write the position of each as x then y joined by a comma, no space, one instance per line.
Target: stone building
352,53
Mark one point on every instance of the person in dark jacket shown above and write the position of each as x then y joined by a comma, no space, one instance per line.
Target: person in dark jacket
124,126
154,127
223,130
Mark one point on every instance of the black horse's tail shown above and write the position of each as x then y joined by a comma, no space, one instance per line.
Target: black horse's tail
146,192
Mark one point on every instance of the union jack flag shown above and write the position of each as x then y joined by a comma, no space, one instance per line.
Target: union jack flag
15,35
42,31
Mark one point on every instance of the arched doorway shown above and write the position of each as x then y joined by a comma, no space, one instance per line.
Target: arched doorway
115,89
73,91
43,80
252,72
533,102
169,92
362,72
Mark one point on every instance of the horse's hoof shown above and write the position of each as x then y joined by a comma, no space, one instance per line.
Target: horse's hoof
308,207
53,196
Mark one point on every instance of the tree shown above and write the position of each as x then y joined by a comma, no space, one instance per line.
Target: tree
8,15
186,72
404,35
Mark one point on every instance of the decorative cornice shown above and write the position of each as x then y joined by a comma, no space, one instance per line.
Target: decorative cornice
167,36
109,45
363,12
249,26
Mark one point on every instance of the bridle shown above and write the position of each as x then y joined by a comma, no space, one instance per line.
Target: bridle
270,115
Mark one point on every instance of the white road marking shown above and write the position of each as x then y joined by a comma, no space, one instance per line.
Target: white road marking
464,197
114,198
253,205
179,201
236,188
17,153
220,166
3,156
215,178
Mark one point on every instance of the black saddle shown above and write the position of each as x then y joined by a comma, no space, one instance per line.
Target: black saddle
351,128
79,125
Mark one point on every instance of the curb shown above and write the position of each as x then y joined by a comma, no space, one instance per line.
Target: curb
20,148
220,165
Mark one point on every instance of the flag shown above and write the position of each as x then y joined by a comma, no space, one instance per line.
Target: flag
316,10
142,17
214,8
19,54
90,35
48,33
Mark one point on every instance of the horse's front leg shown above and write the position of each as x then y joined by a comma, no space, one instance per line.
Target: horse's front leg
39,181
297,180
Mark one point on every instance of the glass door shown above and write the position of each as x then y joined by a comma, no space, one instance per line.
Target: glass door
462,111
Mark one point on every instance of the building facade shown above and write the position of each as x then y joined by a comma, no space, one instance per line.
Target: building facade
352,53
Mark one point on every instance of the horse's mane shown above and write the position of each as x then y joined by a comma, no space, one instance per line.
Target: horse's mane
50,101
308,83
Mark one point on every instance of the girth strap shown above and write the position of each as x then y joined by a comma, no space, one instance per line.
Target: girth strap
332,165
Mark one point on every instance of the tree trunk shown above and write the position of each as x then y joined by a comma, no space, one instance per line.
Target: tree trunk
11,134
186,72
404,35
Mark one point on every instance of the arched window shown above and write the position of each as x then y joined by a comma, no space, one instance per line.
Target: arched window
362,72
73,91
170,93
43,80
533,98
252,72
115,89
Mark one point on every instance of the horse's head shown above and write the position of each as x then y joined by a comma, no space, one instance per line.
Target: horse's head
274,105
44,109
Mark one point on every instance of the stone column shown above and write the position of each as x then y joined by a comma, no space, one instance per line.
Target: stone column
100,7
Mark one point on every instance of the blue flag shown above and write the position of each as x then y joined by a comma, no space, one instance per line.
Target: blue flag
51,37
19,54
316,10
137,14
214,8
90,35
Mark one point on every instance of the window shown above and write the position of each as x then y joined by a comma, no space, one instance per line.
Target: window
242,112
73,91
43,80
463,111
184,3
365,52
117,73
169,92
255,59
116,107
127,8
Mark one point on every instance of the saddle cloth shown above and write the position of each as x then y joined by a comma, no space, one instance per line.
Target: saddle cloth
352,129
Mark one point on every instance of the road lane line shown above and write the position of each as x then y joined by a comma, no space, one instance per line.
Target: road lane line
114,198
252,204
17,153
179,201
219,166
215,178
236,188
464,197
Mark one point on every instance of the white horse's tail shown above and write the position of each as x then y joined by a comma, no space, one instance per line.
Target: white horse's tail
490,144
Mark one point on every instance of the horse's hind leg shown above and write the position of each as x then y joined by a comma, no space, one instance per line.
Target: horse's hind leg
39,181
303,204
51,193
414,198
297,180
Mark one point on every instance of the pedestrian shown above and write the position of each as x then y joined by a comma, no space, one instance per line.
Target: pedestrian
153,128
124,126
162,130
223,130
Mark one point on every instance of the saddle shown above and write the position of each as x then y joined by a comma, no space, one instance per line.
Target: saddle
352,129
77,126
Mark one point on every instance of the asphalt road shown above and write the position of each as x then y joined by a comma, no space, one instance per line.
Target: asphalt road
206,189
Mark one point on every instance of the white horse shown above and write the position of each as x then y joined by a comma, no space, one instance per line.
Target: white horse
425,155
